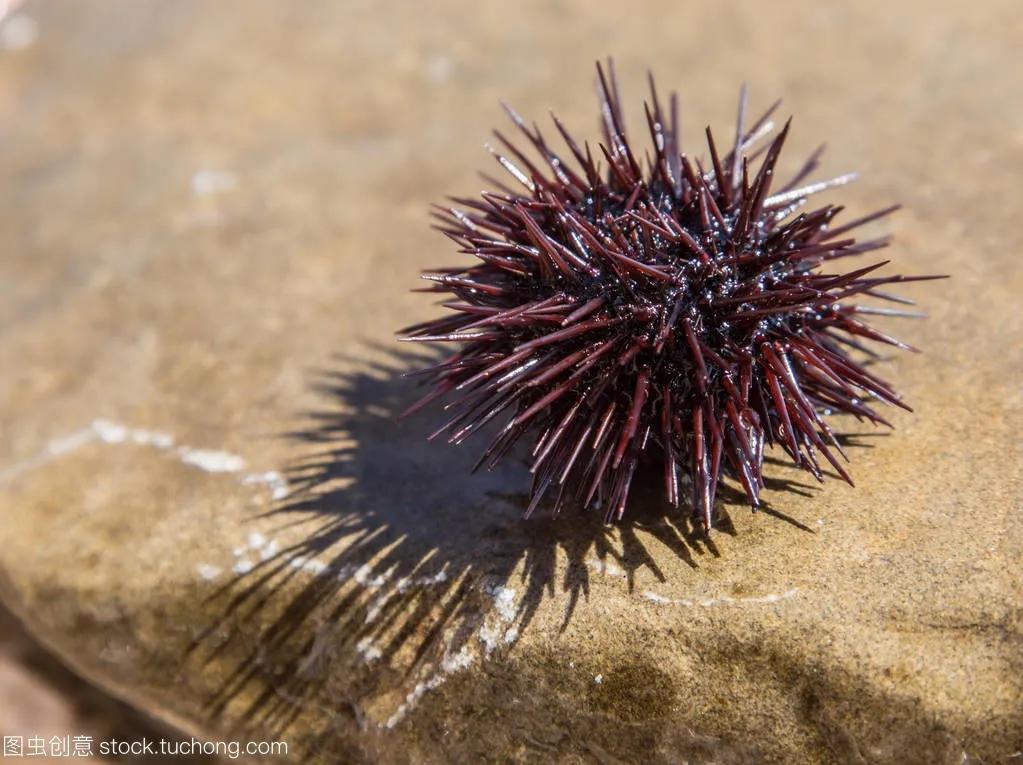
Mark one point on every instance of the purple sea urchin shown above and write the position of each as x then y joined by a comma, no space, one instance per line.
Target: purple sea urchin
664,308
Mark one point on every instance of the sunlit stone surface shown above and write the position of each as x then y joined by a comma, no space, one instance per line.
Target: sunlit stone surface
212,215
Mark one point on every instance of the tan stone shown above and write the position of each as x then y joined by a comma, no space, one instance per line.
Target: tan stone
213,213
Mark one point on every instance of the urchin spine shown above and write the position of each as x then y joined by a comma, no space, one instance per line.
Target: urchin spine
671,307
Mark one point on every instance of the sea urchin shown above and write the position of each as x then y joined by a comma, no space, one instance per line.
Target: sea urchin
664,308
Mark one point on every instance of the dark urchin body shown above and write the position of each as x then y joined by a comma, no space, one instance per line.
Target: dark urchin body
663,307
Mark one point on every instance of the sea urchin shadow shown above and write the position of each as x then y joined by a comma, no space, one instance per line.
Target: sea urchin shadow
403,562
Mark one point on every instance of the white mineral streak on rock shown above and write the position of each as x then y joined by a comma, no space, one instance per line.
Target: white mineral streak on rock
450,664
314,566
211,460
369,651
490,636
309,565
207,183
494,630
439,578
608,567
376,607
504,600
152,438
723,600
70,442
458,661
497,625
58,447
270,549
363,575
110,432
655,597
273,480
208,572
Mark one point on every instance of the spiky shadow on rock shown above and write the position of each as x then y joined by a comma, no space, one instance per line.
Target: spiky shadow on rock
404,565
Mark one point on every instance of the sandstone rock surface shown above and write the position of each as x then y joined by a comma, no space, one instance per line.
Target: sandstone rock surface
212,213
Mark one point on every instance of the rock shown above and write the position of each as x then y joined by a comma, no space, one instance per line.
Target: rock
41,699
212,219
